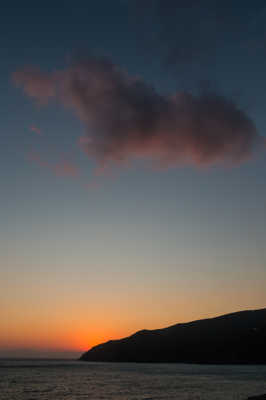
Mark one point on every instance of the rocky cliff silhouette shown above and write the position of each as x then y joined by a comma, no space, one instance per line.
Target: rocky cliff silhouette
237,338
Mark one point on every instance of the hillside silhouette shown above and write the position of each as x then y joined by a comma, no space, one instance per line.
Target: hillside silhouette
237,338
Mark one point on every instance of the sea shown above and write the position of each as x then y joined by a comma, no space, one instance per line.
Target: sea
76,380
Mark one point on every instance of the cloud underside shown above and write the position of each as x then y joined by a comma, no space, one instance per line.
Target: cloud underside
126,119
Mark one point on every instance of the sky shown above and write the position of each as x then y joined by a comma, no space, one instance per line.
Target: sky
132,168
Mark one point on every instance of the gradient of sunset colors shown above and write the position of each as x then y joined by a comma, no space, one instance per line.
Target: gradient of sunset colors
121,225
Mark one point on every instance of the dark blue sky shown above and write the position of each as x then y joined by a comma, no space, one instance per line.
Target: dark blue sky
190,237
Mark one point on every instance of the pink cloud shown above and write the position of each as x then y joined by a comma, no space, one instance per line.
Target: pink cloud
66,169
62,168
35,129
127,119
37,159
36,84
83,140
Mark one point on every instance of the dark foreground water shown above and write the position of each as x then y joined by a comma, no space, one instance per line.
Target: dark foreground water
69,380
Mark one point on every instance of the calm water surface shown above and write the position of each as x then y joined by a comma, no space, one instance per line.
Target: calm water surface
71,380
